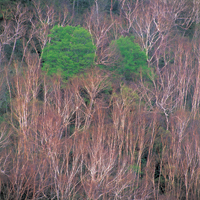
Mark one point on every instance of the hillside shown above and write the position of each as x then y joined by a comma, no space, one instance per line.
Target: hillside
99,99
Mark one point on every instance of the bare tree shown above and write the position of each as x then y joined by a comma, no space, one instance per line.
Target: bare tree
99,27
13,29
154,21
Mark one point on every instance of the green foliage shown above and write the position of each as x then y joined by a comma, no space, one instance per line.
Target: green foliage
69,52
127,95
132,60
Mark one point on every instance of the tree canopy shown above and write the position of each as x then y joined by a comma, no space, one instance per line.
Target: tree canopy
69,51
132,59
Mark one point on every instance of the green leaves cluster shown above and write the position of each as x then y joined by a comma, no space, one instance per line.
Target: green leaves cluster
132,60
69,52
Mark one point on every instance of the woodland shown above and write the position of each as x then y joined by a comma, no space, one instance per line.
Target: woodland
99,99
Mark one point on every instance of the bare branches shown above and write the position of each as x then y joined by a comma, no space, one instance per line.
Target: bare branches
153,22
99,27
